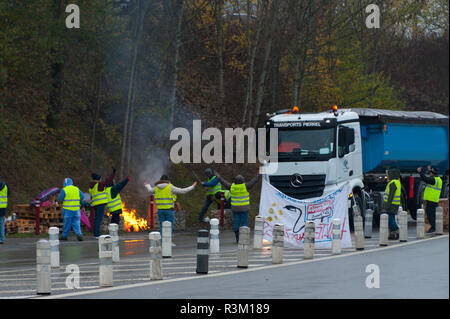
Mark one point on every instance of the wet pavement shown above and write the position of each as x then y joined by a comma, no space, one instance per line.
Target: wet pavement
18,260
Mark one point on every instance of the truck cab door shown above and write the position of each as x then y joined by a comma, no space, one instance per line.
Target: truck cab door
346,147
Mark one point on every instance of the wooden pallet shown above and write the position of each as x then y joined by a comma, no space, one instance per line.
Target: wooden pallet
29,226
11,227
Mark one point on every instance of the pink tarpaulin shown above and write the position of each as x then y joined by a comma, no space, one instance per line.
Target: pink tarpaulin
85,220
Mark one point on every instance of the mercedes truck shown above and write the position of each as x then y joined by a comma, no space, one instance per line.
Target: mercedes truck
319,152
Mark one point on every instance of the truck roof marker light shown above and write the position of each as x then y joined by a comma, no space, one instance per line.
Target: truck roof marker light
295,110
335,110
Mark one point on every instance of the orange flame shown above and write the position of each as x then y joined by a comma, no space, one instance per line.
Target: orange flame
133,223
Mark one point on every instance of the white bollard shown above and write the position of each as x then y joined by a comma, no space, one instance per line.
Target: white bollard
166,239
439,221
368,223
244,241
155,256
420,224
114,233
309,239
336,237
43,269
214,243
54,244
105,256
277,244
258,233
397,216
359,232
384,229
403,226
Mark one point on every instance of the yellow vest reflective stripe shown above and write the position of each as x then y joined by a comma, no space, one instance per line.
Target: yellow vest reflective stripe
72,198
239,195
164,198
98,198
433,192
4,197
113,204
396,199
214,189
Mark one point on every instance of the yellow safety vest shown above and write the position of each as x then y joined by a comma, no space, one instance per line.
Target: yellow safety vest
239,195
213,190
114,204
433,192
98,198
396,199
72,199
226,196
164,198
4,197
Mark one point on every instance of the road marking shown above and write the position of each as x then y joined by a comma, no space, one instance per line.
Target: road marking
240,271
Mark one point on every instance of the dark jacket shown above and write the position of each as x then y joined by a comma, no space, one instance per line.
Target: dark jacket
3,210
430,181
249,185
427,179
103,184
389,207
116,189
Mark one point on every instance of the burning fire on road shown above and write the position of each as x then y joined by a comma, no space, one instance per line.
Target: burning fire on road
131,222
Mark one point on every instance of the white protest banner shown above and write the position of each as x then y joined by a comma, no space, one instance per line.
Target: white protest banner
278,208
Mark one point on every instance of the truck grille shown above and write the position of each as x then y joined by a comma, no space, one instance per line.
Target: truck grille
312,186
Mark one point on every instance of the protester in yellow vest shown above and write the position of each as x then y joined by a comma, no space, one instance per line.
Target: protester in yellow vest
114,204
4,194
392,195
165,196
431,195
99,199
212,186
240,199
71,198
226,199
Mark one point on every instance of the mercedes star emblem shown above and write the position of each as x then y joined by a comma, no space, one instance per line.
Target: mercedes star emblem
296,180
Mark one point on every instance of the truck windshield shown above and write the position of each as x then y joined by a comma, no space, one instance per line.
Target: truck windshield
306,144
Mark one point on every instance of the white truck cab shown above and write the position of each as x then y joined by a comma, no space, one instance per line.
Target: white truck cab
317,153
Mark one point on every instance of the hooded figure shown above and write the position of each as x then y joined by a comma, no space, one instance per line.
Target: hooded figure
240,199
71,198
165,197
4,194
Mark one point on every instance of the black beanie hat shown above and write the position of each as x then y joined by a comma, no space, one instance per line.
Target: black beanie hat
96,177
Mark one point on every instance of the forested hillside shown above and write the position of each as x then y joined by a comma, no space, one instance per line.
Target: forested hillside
81,100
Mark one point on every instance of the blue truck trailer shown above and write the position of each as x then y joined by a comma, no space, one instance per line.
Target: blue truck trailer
403,140
325,150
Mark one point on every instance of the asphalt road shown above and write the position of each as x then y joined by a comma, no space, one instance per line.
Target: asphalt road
418,269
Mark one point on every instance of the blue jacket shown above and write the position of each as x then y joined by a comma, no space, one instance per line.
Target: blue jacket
213,183
62,195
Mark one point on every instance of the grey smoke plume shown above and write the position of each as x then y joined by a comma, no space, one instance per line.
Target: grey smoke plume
155,165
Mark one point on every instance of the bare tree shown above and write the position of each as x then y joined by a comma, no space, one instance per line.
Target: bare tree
252,49
262,77
140,13
219,28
